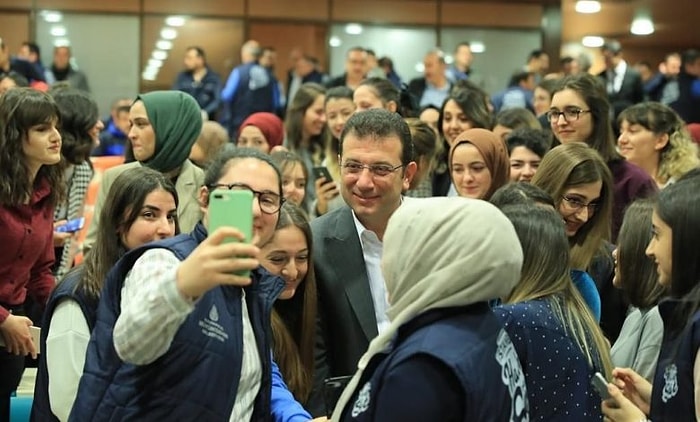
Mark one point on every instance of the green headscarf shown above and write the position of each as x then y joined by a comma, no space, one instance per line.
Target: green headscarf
177,122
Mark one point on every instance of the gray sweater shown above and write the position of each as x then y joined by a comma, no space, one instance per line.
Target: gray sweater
639,342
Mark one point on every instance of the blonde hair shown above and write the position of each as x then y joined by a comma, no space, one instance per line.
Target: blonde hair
571,165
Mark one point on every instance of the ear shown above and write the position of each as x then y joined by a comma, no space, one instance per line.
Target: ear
661,142
392,106
408,174
203,199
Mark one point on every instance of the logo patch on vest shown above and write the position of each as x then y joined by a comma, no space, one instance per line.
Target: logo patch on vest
513,377
362,402
210,326
671,385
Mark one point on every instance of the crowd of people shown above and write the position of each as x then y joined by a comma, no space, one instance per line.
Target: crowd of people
420,251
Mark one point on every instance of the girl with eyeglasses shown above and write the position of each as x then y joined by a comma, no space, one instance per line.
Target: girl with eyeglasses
580,112
581,185
178,332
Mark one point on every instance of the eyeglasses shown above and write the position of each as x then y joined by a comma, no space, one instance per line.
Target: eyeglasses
570,114
576,205
379,170
269,202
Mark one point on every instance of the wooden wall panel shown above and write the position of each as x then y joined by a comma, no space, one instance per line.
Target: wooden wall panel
15,4
123,6
310,38
15,30
289,9
386,11
492,14
217,8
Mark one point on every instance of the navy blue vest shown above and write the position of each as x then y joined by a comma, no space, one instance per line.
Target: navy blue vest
66,289
197,378
473,344
253,94
672,395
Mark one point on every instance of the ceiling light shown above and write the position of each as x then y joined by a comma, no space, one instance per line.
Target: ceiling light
587,6
592,41
149,76
175,20
353,29
155,63
642,26
477,46
51,16
159,55
334,41
164,45
168,34
58,31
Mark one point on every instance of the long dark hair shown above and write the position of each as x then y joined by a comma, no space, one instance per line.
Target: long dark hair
678,207
294,123
294,320
122,207
20,110
637,273
79,114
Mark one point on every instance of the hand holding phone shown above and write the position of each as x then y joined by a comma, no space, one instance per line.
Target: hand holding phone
320,172
600,384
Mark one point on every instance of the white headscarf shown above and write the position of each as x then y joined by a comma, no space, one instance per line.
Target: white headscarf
438,253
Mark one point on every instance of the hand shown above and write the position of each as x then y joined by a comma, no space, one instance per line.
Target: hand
59,239
325,191
634,387
619,408
214,263
18,340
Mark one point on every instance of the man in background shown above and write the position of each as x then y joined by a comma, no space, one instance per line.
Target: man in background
62,70
198,80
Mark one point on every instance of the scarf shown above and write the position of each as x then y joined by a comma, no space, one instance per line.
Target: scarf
495,154
438,253
177,122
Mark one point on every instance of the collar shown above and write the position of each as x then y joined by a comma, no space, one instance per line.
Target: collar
361,227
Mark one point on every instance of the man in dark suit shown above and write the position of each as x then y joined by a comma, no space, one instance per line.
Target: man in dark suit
622,82
305,70
376,153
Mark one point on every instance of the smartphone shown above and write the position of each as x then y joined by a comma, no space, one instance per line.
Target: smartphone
72,226
600,384
332,390
232,208
320,172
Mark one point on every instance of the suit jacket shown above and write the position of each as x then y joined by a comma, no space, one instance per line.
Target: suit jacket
631,91
188,182
347,322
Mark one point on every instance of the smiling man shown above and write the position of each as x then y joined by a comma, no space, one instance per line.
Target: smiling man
376,164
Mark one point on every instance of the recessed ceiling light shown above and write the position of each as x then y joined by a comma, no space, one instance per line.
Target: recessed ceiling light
642,26
477,46
353,29
592,41
587,6
175,20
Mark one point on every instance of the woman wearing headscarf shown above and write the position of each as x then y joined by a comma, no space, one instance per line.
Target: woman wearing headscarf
479,164
164,126
262,131
445,356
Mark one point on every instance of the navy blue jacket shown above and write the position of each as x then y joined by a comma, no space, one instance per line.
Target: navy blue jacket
672,394
197,378
66,289
207,92
450,364
250,89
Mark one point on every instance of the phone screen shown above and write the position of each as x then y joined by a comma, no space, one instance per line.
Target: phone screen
72,225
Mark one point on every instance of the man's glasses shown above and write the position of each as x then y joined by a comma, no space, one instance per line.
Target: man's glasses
380,170
570,114
269,202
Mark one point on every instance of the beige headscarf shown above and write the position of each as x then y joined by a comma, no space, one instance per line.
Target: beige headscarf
438,253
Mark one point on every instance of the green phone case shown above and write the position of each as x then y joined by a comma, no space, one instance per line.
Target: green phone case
232,208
